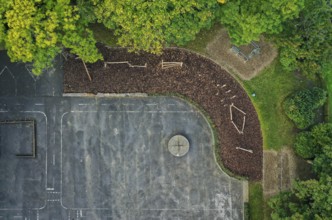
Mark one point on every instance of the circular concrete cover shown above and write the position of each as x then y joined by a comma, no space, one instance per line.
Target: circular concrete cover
178,145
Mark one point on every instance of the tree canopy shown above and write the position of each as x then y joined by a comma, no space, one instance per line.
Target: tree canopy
310,199
150,25
36,31
300,107
247,20
305,43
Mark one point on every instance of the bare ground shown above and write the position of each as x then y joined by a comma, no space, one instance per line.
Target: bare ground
220,51
281,168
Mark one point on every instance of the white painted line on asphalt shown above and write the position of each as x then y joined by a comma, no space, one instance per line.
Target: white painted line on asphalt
53,160
61,145
43,113
183,209
31,179
230,202
11,75
157,111
39,104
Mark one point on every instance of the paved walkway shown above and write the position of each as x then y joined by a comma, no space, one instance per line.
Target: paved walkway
106,158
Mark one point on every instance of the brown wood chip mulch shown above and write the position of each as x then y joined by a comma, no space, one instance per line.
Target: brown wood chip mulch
199,79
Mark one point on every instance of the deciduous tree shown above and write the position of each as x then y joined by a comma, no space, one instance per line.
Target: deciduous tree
310,199
150,25
305,42
247,20
37,30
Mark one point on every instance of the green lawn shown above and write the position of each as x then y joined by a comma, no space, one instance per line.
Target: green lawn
256,201
258,208
270,88
327,72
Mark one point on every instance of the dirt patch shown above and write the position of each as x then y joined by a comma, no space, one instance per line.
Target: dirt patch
234,63
281,168
199,79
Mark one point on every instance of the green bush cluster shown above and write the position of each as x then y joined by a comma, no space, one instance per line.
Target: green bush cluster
310,199
300,107
310,144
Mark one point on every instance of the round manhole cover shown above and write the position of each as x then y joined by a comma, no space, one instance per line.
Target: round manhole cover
178,145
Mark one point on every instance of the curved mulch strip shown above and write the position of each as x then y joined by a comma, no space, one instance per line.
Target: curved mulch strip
199,79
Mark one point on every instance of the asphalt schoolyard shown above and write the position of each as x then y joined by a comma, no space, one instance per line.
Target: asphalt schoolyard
104,157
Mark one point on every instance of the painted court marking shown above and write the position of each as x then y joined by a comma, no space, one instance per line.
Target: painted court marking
51,157
125,170
44,115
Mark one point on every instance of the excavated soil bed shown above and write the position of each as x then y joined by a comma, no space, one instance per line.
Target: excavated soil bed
199,79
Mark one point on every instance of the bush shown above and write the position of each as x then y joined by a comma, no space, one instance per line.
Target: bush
316,144
304,145
300,107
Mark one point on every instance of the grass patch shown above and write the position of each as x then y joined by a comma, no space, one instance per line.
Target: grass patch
202,39
258,208
327,74
256,201
271,87
103,35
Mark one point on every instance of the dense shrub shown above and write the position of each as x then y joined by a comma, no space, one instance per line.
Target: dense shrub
300,107
304,145
310,144
322,135
310,199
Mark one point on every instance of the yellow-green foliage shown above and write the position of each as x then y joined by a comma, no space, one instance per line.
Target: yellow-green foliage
247,20
37,30
149,25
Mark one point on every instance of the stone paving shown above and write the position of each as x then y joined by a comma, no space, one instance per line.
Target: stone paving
105,157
